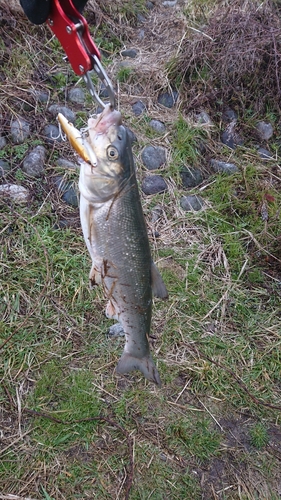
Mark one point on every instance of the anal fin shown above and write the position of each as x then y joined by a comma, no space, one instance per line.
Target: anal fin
158,286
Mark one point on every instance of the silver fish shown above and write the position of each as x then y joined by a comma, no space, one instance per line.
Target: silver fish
115,233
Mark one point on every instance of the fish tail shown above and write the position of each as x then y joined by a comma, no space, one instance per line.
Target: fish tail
146,365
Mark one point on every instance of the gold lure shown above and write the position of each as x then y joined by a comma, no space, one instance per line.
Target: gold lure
76,140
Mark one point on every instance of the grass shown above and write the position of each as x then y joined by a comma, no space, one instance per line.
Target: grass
70,426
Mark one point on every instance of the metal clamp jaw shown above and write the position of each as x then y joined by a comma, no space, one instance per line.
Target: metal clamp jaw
72,31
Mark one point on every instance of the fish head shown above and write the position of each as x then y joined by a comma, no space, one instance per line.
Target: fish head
107,147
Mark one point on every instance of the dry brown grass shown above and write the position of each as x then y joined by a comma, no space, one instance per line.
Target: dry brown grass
235,57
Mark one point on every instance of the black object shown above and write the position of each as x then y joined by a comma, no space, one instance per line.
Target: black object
37,11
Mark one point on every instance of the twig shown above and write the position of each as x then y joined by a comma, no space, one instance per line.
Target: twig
14,497
276,62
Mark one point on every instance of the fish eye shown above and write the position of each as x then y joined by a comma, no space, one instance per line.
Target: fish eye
112,153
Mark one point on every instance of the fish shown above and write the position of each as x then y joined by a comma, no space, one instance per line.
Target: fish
115,234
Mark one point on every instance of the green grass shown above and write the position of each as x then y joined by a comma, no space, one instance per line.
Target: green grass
216,341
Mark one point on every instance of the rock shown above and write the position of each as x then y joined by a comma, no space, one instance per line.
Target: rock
141,34
229,116
40,96
70,195
230,137
20,130
149,5
4,168
3,142
55,109
103,92
156,213
153,157
265,130
132,136
52,133
264,154
67,191
116,330
191,177
168,99
204,118
141,18
169,3
76,95
157,126
126,64
34,163
18,194
223,167
153,184
191,202
132,53
138,108
66,164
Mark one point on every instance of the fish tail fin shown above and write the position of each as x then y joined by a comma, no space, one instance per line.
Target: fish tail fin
146,365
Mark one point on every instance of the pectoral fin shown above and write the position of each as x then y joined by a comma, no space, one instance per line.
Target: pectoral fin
158,286
94,277
111,311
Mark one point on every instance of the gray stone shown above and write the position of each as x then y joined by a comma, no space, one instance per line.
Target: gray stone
168,99
20,130
4,168
223,167
192,202
52,133
41,96
265,130
229,115
132,136
3,142
141,18
156,214
126,64
18,194
153,157
55,109
191,177
132,53
157,126
230,137
66,164
149,5
116,330
67,191
70,195
204,118
141,35
103,93
76,95
264,154
169,3
34,163
138,108
153,184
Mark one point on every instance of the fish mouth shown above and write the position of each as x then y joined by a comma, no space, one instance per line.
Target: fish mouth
102,122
